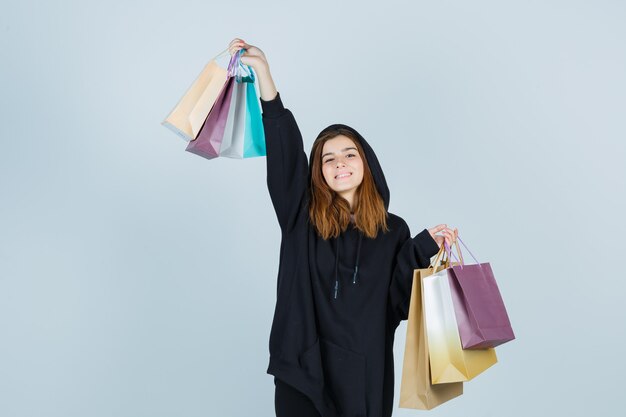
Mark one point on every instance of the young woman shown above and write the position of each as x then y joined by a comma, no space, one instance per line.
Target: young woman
346,265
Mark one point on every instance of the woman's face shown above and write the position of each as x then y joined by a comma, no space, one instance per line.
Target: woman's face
342,166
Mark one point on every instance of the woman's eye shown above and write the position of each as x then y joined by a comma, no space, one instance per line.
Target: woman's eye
328,160
351,154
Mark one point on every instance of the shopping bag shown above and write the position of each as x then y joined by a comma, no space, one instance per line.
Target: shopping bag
234,133
190,113
448,361
416,388
209,140
244,135
254,142
480,312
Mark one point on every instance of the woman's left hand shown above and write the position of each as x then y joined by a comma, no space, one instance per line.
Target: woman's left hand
447,234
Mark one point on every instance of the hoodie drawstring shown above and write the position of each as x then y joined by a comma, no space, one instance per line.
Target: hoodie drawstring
358,254
356,264
336,289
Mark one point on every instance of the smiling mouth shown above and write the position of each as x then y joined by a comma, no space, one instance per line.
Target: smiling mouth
340,176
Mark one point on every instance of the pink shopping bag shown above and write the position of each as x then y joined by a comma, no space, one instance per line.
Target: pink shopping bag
208,142
480,312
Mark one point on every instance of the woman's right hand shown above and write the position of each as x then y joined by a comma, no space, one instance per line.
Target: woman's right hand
255,58
252,56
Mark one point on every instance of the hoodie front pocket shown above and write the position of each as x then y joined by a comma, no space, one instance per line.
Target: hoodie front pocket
344,375
311,361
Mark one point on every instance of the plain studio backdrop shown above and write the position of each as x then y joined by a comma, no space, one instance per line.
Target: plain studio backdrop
137,279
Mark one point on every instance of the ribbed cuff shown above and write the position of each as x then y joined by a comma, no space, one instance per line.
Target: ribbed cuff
426,243
273,107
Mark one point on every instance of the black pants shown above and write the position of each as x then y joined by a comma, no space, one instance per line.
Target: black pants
290,402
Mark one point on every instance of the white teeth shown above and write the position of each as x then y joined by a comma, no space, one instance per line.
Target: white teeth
343,175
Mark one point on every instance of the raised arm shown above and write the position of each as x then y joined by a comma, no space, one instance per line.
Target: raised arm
287,167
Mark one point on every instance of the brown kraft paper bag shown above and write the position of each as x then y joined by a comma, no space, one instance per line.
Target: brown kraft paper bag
416,389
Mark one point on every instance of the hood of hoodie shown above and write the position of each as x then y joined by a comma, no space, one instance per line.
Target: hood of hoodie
381,186
372,160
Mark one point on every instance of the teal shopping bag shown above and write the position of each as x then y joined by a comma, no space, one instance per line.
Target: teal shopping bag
254,138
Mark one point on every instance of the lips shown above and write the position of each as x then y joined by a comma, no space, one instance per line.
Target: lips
343,175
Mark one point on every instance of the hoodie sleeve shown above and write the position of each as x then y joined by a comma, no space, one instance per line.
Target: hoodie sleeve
414,253
287,167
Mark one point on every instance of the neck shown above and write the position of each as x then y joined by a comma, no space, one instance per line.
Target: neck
349,196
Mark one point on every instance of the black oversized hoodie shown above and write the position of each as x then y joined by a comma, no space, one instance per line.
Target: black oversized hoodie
339,301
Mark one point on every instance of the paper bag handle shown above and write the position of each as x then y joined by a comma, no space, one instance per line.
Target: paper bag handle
440,259
469,251
458,249
445,249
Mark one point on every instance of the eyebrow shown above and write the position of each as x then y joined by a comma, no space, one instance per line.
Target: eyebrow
343,150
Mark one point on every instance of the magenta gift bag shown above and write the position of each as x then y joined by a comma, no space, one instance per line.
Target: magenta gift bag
480,312
209,139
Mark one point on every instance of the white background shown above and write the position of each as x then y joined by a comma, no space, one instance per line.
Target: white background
137,279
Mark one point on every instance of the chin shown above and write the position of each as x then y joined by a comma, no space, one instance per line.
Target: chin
343,189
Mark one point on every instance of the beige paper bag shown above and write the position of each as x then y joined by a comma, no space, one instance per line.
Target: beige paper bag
193,108
416,389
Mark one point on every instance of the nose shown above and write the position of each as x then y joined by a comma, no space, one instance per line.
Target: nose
340,162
